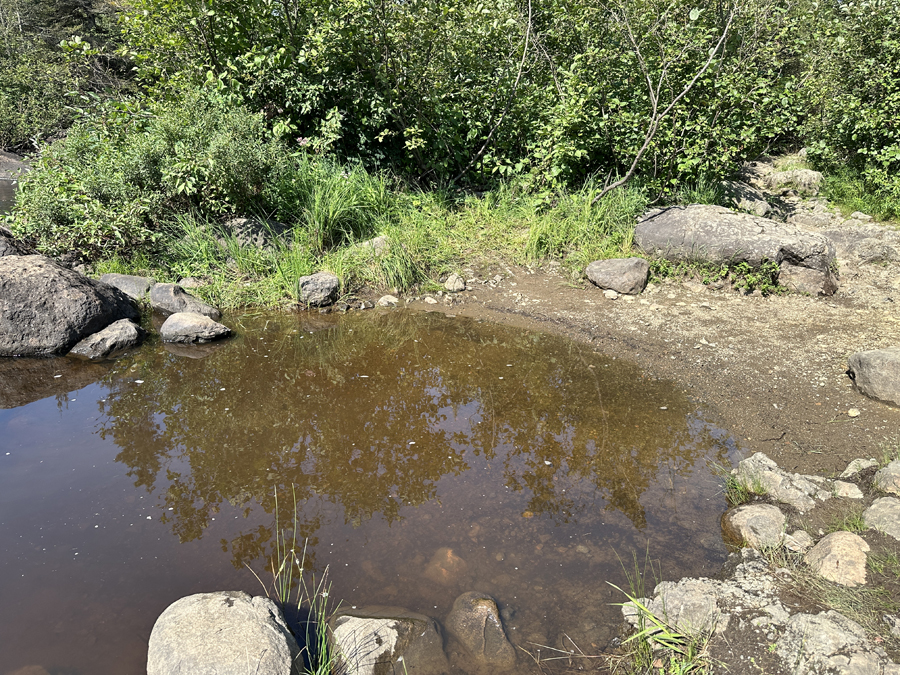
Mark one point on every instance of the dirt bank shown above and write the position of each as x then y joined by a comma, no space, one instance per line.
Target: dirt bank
773,369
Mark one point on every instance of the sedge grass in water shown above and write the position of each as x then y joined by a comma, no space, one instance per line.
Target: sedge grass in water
304,599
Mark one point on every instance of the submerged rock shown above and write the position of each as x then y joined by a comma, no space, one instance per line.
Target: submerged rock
172,299
46,309
876,373
122,334
622,275
840,557
318,290
222,633
132,286
192,327
445,567
381,640
475,622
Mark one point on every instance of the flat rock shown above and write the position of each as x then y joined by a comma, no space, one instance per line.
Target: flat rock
318,290
840,557
847,490
718,236
690,605
455,283
119,335
189,327
811,643
800,491
888,478
798,541
132,286
380,640
475,622
803,180
884,516
806,281
876,373
745,197
46,309
622,275
172,299
223,633
388,301
758,526
856,466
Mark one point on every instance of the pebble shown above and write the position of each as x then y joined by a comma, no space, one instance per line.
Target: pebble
853,412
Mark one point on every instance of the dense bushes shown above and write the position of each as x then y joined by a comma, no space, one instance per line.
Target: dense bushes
113,184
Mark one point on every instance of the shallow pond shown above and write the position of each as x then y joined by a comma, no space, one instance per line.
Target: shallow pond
535,466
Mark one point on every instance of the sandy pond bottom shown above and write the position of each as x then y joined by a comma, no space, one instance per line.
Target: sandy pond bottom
535,466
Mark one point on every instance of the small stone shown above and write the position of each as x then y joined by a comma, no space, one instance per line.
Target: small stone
884,516
445,567
119,335
429,300
840,557
853,412
627,276
859,215
387,301
847,490
798,541
888,478
856,466
610,294
192,327
455,283
172,299
192,282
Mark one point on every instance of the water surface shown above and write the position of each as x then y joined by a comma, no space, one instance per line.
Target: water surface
428,456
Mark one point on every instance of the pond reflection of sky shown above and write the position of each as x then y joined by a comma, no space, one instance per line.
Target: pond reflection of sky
534,459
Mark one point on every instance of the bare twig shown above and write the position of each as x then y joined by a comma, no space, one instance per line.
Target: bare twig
656,116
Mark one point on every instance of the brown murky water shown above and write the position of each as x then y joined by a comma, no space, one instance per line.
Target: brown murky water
429,456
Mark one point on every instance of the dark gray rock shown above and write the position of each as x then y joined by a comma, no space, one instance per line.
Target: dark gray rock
188,327
715,235
804,280
223,633
758,526
12,166
884,516
46,309
876,373
388,640
745,197
266,235
475,622
172,298
9,245
622,275
135,287
318,290
119,335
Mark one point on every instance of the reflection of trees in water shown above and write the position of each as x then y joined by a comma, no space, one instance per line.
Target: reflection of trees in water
296,411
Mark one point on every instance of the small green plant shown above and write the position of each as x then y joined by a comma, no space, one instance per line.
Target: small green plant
763,278
849,521
738,489
890,451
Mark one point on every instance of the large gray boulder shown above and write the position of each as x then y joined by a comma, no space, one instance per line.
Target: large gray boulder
223,633
377,639
132,286
46,309
190,327
475,622
622,275
715,235
172,298
318,290
119,335
876,373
